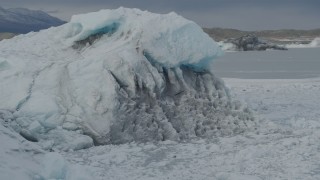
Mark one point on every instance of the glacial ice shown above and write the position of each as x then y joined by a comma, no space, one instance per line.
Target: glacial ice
170,39
227,46
55,167
116,76
313,44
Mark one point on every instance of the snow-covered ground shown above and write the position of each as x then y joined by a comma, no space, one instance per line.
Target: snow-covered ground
284,146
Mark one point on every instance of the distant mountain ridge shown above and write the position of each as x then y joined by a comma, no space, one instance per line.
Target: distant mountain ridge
220,34
21,20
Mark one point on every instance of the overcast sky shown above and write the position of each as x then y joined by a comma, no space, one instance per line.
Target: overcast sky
241,14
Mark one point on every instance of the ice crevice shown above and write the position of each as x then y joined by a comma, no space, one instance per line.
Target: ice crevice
117,76
29,94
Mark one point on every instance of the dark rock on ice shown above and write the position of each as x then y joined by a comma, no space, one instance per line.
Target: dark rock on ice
251,42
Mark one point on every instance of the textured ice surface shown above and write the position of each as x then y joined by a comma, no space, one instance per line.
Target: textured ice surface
285,149
116,76
169,39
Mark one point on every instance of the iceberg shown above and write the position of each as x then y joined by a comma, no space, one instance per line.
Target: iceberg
116,76
313,44
227,46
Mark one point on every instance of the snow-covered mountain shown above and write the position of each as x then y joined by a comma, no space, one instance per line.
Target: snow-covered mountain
20,20
116,76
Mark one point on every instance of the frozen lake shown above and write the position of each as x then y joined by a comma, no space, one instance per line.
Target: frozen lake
291,64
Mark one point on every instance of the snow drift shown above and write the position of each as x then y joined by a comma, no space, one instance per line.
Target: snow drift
115,76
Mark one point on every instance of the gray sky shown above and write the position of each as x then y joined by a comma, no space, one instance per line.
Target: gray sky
241,14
